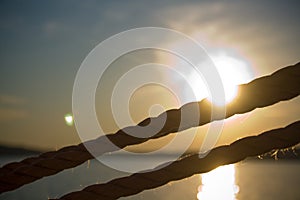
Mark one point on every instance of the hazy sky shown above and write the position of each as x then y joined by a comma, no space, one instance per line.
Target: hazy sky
44,42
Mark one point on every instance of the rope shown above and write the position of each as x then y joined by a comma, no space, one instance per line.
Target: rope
190,165
282,85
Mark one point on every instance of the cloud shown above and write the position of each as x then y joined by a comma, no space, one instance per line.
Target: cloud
11,100
220,22
266,39
52,28
10,114
11,108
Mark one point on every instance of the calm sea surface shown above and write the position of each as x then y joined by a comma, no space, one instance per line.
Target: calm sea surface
248,180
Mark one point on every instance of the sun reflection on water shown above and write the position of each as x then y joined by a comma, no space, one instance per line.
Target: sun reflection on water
218,184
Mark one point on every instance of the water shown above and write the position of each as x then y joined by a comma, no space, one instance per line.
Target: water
248,180
222,180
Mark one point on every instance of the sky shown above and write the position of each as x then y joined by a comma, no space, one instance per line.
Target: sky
43,44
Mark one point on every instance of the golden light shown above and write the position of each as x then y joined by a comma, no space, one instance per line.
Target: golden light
218,184
69,119
233,68
233,71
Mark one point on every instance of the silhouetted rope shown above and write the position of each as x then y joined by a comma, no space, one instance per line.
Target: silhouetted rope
190,165
282,85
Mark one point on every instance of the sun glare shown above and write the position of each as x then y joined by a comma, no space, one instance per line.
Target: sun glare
218,184
233,72
232,67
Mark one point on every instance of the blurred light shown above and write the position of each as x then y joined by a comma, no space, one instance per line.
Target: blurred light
233,72
69,119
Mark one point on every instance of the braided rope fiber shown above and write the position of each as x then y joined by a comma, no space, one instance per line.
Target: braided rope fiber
282,85
192,164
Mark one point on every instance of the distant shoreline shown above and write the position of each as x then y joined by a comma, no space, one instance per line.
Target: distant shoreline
280,155
13,151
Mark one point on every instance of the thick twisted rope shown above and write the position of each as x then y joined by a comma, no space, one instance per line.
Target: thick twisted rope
282,85
190,165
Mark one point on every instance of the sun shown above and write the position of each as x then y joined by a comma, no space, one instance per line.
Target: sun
233,68
233,71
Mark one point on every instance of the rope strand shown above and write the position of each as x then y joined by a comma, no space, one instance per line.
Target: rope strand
282,85
192,164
